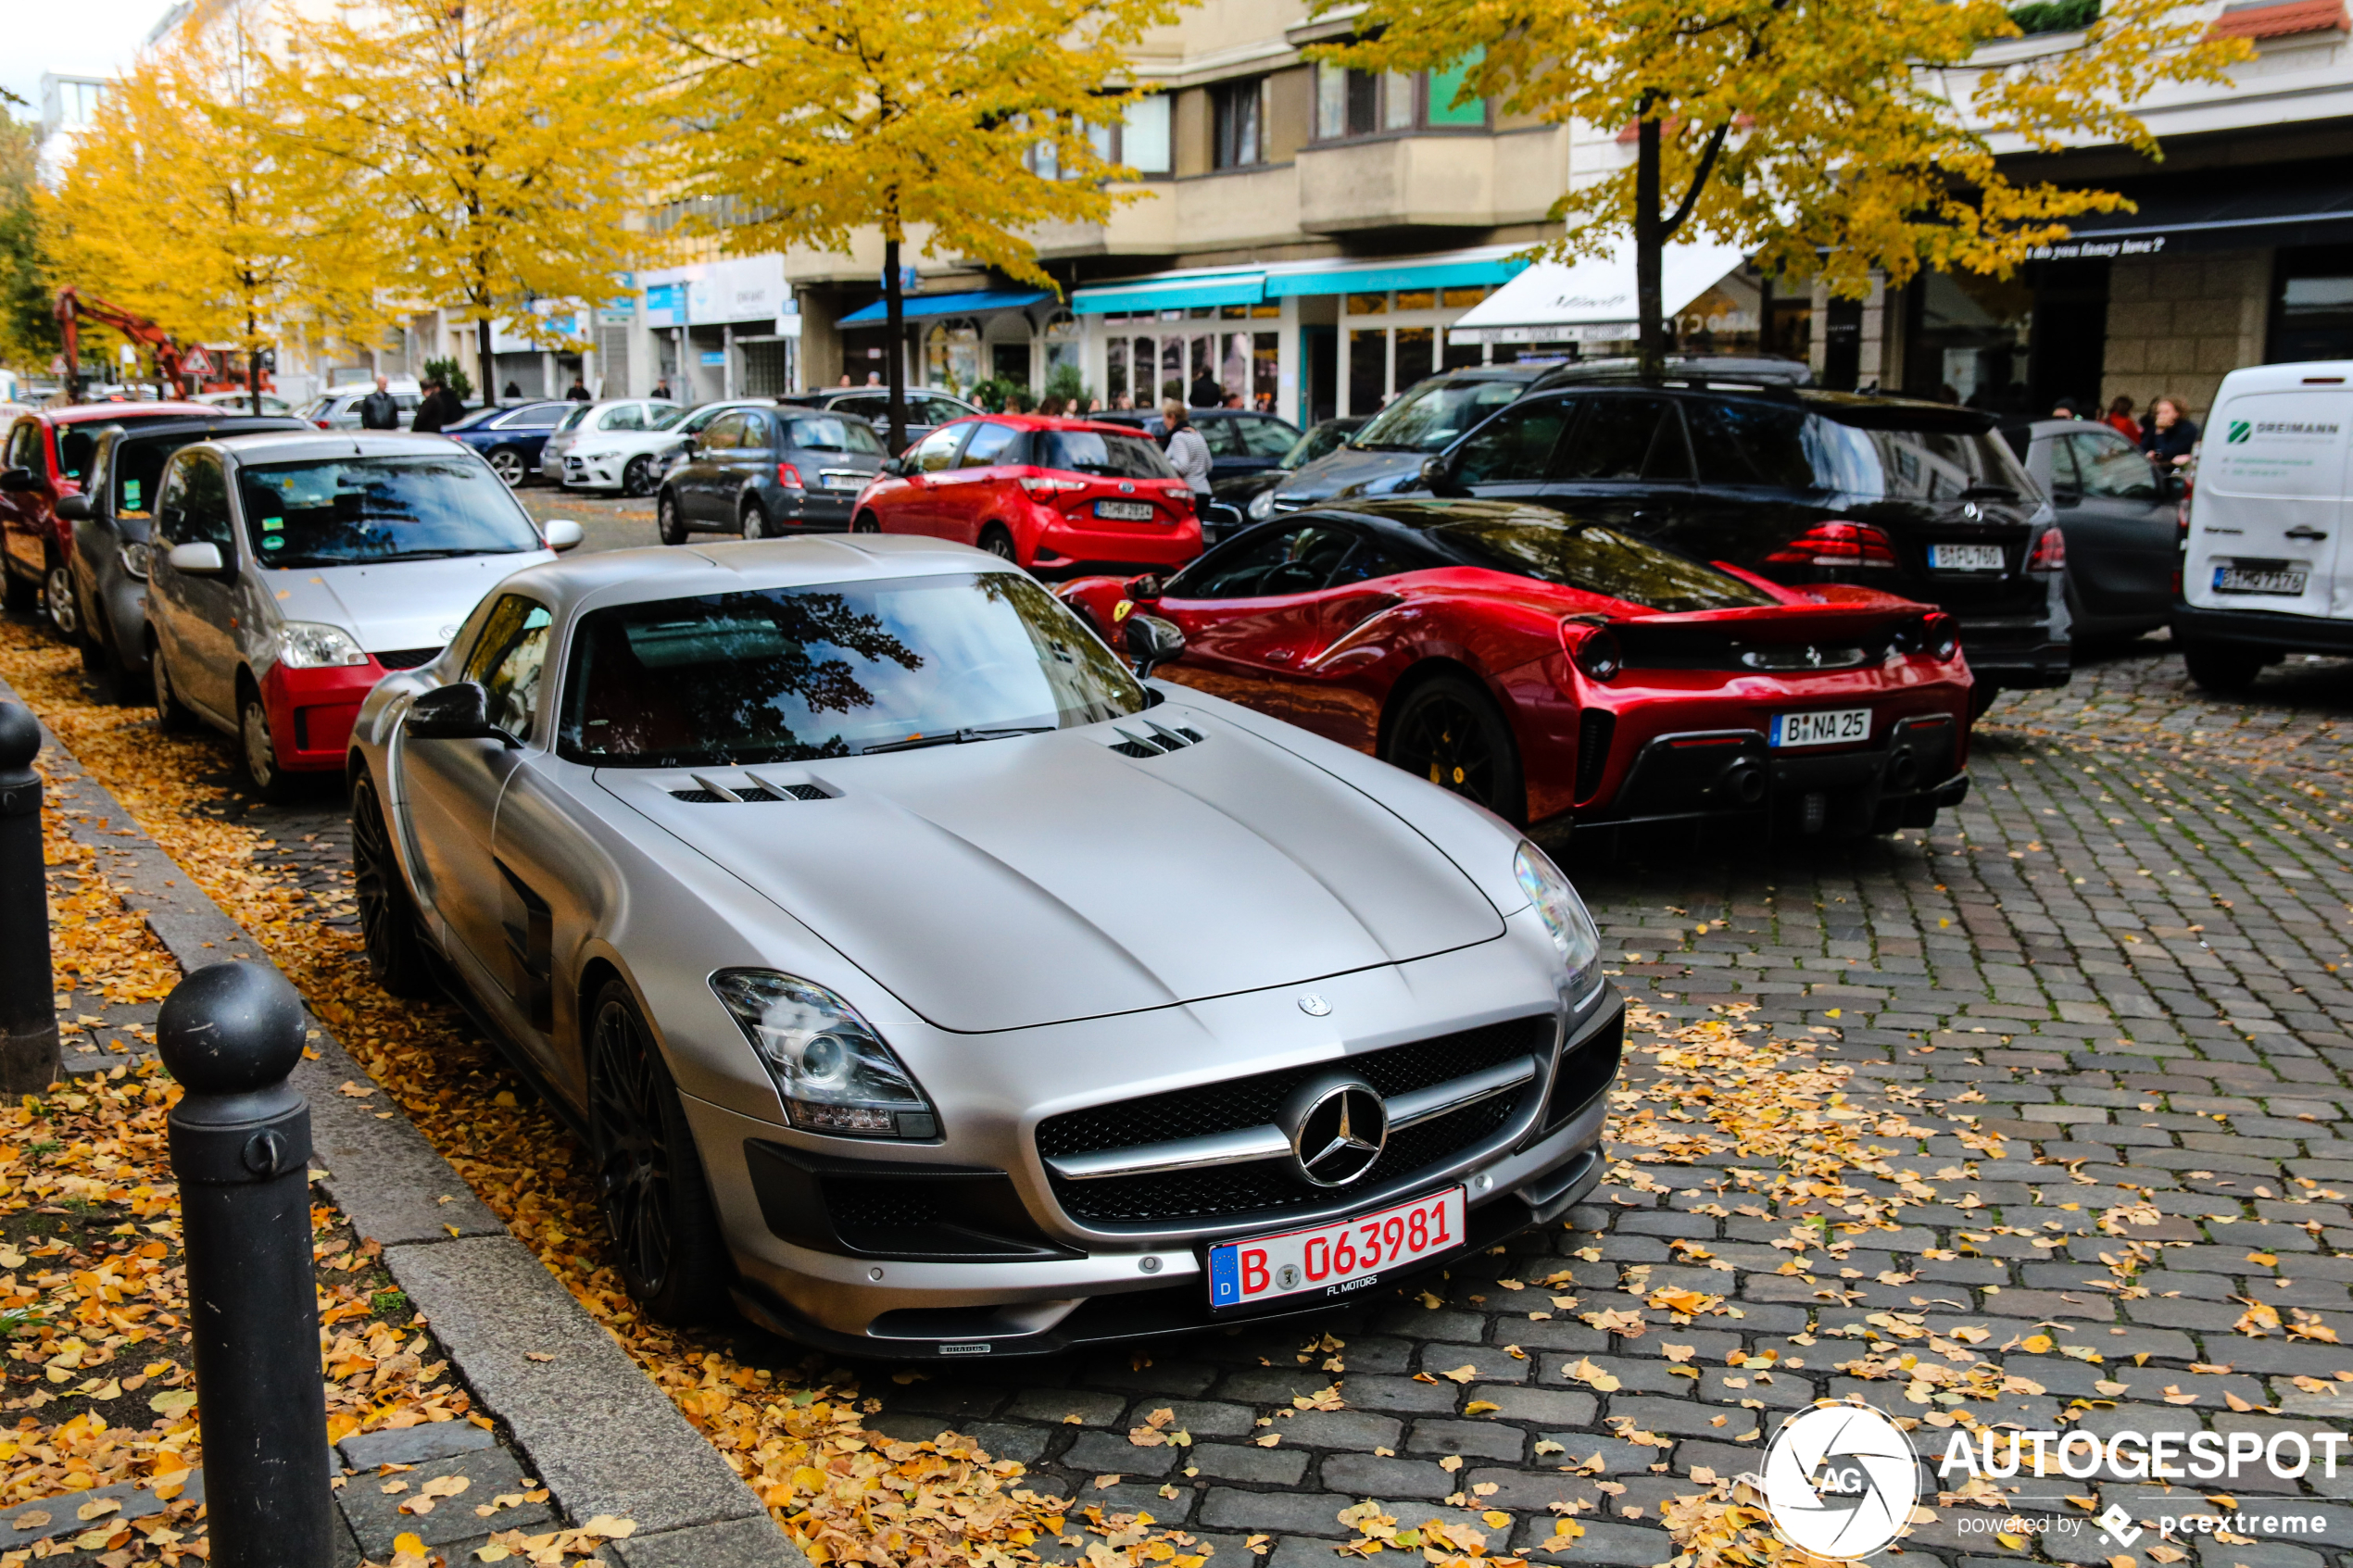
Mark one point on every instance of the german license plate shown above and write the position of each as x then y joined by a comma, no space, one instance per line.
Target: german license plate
1335,1259
1965,558
1831,728
2260,577
838,479
1126,511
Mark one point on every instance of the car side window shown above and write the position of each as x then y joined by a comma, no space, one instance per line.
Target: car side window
1224,437
1372,560
2112,468
532,419
193,507
988,446
1266,438
508,660
866,405
752,433
937,450
76,447
1613,440
629,416
723,433
1282,560
936,410
24,447
2064,475
1517,445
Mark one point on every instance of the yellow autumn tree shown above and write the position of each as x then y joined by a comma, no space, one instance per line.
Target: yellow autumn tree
1825,137
246,236
489,145
969,122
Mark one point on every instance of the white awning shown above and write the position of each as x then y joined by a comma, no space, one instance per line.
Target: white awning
1590,299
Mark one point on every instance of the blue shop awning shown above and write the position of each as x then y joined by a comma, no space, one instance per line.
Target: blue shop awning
917,306
1171,293
1432,273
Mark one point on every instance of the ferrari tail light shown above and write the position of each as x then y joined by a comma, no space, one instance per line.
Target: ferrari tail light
2049,553
789,477
1592,649
1836,544
1937,635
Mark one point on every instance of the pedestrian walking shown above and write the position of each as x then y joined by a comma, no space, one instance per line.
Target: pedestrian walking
513,391
579,392
378,410
1188,453
2120,418
1205,393
2170,435
434,414
661,389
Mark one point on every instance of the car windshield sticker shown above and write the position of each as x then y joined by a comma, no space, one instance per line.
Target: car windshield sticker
130,492
274,542
271,524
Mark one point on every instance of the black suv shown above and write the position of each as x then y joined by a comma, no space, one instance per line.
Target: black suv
1800,487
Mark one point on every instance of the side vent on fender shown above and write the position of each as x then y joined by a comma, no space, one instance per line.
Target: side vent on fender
1595,728
1163,739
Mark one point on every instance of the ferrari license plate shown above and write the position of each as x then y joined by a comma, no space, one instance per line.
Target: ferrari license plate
1338,1258
1965,558
1126,511
1833,727
2261,577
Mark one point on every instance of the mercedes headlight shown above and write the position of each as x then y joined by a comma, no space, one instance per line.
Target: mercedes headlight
1262,506
307,645
1559,908
833,1071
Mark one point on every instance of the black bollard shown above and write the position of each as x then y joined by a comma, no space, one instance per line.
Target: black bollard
28,997
231,1032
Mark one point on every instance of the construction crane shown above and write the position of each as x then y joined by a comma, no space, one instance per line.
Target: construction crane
178,366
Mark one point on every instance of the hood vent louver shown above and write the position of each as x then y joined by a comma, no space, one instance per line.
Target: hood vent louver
712,791
1162,740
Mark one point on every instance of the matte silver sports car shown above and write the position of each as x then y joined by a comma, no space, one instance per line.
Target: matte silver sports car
929,982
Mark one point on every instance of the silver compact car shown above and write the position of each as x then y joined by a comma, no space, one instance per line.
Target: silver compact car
935,985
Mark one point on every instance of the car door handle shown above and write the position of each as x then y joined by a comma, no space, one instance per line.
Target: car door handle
2306,532
1282,656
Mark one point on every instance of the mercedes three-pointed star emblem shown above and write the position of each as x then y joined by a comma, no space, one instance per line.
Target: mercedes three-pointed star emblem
1337,1128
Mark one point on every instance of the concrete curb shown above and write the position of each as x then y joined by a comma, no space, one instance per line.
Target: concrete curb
601,1435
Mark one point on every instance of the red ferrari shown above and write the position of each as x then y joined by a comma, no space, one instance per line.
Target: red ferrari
1054,495
1543,666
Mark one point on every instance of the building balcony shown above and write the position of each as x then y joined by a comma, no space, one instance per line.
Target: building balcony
1442,180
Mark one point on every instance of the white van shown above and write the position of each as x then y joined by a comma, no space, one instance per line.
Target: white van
2267,568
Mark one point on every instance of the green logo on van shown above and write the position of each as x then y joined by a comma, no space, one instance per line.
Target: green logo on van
2240,430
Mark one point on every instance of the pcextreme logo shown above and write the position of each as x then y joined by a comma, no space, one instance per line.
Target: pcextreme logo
1841,1481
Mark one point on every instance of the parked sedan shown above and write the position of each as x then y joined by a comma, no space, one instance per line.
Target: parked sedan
1056,495
1253,494
782,867
288,572
2120,517
762,472
1544,666
338,406
1242,443
615,436
110,520
510,439
926,409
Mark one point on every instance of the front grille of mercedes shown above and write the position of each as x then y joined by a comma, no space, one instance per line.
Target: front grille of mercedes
1267,1189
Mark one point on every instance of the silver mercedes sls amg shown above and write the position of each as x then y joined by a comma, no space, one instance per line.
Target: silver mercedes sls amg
925,980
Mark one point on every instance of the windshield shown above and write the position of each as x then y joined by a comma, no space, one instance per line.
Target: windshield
663,419
831,433
1323,438
356,511
787,674
571,420
1599,561
1092,451
1429,418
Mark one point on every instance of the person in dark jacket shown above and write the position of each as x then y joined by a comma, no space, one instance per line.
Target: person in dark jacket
440,407
2170,435
377,410
579,393
1205,393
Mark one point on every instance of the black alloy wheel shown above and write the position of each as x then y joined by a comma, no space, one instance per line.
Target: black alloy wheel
866,523
388,925
668,524
258,749
171,715
1448,730
2225,669
58,603
649,1177
637,477
998,542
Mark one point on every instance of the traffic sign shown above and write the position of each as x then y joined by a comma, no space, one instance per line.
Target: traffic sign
198,363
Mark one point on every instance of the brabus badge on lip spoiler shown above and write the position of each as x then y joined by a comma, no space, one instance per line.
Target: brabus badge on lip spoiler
1313,1006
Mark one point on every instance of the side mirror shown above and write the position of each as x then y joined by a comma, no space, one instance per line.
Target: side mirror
1140,588
458,712
2067,496
73,508
1153,643
1437,477
562,534
895,466
199,560
18,478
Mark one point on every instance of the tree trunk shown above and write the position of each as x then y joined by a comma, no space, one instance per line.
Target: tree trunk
1649,243
894,357
253,368
485,369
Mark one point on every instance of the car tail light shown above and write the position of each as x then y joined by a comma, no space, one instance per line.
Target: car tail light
2049,553
1045,487
1836,544
1592,649
1938,635
789,477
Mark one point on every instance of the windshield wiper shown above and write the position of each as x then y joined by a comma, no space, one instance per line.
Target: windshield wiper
954,738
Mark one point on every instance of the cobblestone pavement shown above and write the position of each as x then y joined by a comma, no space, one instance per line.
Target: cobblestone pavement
2093,1038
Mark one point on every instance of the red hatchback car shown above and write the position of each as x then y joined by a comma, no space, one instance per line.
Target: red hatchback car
1543,665
1053,496
45,457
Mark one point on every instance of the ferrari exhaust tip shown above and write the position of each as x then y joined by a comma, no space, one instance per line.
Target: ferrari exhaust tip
1745,782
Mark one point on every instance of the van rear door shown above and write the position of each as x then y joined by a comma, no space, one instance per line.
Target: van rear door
2268,523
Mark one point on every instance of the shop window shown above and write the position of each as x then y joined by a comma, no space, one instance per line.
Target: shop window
1368,304
1967,344
1238,110
1416,299
951,354
2312,311
1415,354
1062,343
1367,370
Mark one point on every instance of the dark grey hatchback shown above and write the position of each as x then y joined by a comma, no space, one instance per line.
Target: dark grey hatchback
763,473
